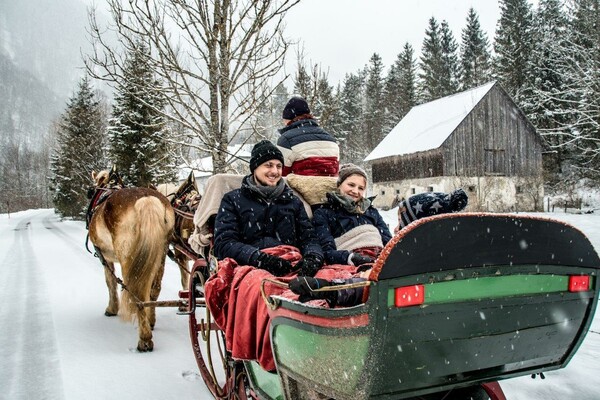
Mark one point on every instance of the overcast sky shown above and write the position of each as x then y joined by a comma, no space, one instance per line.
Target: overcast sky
342,35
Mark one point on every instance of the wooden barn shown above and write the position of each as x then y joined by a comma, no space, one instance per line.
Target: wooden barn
478,140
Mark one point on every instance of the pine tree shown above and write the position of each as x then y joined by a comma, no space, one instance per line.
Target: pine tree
474,54
80,141
375,115
450,70
350,133
432,64
400,87
303,82
585,77
549,101
138,134
513,44
315,88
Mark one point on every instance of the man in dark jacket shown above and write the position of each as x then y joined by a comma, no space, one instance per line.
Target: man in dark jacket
307,148
265,213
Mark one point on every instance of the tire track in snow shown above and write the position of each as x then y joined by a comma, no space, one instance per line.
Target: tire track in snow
29,366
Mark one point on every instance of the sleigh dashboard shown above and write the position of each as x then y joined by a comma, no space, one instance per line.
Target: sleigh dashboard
457,300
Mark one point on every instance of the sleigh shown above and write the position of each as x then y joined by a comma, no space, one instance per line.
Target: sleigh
455,303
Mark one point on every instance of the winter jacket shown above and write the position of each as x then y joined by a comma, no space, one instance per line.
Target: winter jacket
332,220
246,223
308,149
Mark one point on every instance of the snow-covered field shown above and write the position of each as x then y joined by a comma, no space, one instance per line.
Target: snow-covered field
56,343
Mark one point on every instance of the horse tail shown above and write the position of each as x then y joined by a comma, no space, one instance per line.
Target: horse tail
153,226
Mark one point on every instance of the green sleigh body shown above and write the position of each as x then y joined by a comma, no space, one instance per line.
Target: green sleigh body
457,300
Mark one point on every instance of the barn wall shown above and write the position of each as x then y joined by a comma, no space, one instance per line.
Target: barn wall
424,164
492,194
495,139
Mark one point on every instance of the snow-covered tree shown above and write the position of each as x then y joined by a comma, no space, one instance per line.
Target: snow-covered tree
450,66
350,133
137,132
549,100
439,74
475,58
80,139
584,73
313,85
512,45
401,86
375,114
432,73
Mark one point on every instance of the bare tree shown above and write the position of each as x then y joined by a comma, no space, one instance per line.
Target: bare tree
217,60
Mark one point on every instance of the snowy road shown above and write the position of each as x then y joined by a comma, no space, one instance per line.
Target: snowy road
56,343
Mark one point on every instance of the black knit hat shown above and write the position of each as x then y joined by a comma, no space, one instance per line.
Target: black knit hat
427,204
262,152
350,169
296,106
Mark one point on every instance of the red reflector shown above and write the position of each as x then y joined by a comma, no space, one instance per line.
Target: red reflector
409,295
579,283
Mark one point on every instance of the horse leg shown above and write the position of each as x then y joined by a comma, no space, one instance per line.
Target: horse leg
111,283
155,292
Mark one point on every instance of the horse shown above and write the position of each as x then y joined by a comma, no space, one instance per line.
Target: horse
131,226
184,200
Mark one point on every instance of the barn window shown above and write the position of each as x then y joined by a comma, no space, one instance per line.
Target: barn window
382,192
397,191
430,188
494,162
519,189
413,191
471,188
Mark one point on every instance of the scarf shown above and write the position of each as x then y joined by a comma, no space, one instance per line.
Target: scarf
268,193
348,204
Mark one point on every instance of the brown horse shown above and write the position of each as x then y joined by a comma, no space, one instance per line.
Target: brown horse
131,226
184,200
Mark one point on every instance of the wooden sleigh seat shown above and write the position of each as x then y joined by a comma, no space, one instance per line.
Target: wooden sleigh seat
456,300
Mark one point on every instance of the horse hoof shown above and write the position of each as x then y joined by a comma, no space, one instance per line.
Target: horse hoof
109,314
145,346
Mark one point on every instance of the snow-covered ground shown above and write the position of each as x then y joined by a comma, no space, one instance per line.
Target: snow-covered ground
56,343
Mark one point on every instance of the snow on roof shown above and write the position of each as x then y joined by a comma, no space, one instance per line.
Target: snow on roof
428,125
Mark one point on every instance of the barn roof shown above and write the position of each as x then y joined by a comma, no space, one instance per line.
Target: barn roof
428,125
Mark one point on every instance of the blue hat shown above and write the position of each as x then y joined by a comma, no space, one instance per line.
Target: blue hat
427,204
296,106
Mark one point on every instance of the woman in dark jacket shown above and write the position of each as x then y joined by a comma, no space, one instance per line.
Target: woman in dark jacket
265,213
416,207
348,223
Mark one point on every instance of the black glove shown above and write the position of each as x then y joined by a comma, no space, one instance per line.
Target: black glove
304,286
358,259
275,265
310,265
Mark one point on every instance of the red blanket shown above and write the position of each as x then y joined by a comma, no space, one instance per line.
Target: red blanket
247,327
